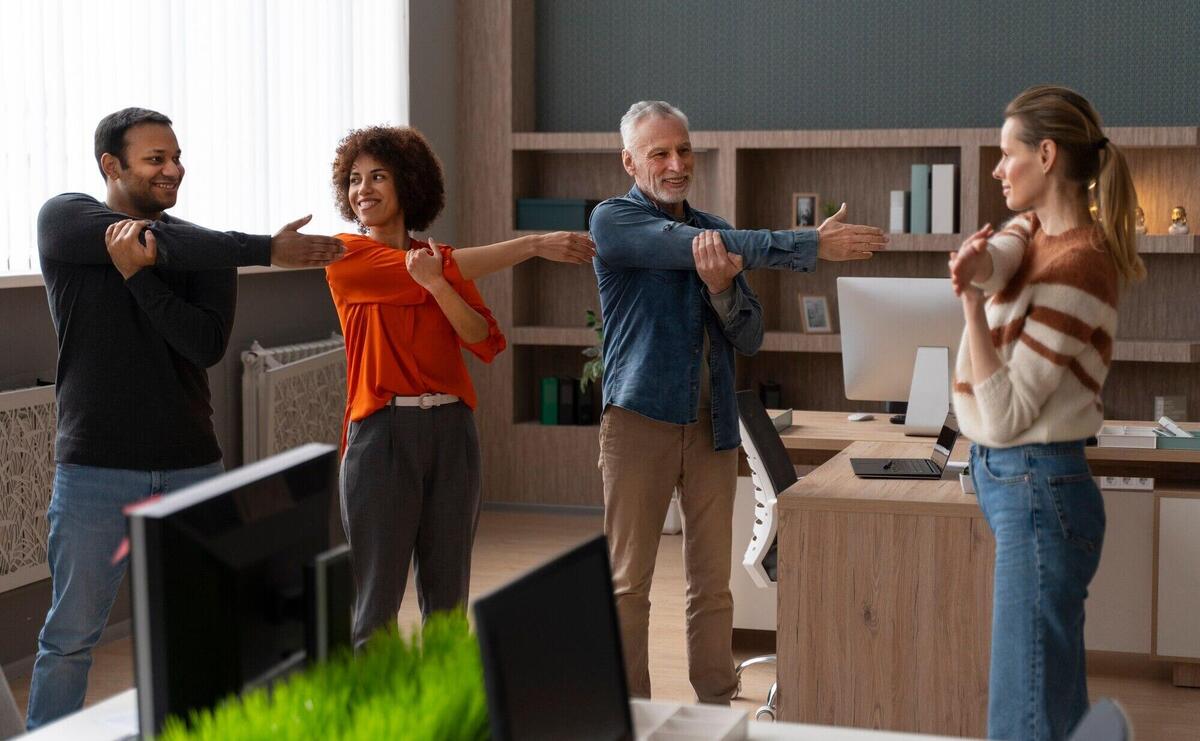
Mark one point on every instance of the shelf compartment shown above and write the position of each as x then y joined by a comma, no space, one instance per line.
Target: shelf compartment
531,363
860,177
553,294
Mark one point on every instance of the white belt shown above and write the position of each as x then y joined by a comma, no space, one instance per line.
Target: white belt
424,401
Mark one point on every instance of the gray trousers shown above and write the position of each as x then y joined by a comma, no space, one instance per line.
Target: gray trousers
410,490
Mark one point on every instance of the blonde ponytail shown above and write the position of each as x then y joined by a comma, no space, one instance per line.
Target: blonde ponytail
1116,201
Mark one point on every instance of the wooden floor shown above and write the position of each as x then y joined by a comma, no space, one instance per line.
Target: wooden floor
510,542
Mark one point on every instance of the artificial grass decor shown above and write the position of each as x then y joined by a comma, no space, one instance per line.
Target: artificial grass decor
428,686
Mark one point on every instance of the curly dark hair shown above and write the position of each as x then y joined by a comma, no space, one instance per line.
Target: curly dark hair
414,167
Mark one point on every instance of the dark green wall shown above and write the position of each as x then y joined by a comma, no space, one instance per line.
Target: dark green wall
769,64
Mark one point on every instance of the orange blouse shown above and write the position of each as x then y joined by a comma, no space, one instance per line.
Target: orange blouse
398,341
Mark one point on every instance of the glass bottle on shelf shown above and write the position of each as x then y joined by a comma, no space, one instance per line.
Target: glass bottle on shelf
1140,222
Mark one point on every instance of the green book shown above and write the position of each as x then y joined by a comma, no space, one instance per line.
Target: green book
919,200
549,387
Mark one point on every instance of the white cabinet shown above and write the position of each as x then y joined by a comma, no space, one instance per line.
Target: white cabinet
1119,597
1177,633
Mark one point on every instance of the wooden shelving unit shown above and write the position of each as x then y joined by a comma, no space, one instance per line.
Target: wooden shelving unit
748,177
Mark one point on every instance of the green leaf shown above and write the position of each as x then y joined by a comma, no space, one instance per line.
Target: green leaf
426,686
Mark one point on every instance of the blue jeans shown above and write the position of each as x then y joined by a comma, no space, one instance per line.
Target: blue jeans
1048,518
87,525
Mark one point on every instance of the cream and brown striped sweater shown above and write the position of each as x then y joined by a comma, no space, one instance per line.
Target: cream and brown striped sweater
1052,309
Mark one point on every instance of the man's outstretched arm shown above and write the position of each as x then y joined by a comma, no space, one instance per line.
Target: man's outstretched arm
72,228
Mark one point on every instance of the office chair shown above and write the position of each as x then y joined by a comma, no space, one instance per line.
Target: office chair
1104,721
772,472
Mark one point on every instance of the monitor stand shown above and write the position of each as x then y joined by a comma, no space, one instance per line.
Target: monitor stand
929,395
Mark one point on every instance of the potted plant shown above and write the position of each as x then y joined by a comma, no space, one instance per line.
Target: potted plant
593,369
428,686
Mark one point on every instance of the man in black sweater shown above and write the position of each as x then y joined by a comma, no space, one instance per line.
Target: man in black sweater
142,303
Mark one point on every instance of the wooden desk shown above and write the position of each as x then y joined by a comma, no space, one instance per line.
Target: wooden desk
884,600
815,437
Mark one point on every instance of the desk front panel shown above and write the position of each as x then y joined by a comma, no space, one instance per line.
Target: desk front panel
884,602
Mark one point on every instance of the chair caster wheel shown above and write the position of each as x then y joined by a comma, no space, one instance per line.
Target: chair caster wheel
765,713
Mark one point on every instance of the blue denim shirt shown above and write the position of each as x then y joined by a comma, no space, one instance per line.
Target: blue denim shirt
656,308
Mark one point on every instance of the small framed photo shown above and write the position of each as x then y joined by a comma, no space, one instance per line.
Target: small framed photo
804,210
814,312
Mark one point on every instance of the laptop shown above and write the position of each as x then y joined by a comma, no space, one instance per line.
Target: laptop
911,468
551,651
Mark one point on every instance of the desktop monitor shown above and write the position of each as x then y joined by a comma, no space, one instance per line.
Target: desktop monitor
551,652
900,337
234,583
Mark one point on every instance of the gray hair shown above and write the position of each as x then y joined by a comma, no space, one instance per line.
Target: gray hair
644,109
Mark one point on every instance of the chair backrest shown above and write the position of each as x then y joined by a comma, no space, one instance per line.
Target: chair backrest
765,441
772,472
1104,721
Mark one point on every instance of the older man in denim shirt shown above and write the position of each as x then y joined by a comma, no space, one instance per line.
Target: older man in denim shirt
675,307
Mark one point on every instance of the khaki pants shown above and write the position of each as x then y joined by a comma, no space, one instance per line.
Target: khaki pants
642,461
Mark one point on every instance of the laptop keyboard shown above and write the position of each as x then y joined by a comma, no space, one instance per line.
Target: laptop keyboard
908,466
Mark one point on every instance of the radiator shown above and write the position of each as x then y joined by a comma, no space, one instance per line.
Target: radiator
27,425
291,395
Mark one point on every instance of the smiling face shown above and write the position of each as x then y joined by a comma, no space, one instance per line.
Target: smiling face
1022,169
372,193
144,181
660,160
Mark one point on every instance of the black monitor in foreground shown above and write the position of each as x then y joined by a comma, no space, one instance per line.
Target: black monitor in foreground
234,583
551,651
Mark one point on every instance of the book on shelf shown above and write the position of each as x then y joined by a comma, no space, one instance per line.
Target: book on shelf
549,400
563,403
1126,436
918,218
568,391
898,223
943,199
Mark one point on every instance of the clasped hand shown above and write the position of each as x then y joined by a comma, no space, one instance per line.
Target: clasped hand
126,251
715,266
425,265
965,264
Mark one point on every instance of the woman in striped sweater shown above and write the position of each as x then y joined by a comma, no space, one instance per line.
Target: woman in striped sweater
1040,299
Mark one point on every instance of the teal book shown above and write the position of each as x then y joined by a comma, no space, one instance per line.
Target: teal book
549,395
919,200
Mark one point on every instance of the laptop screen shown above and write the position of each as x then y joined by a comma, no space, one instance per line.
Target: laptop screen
945,442
551,652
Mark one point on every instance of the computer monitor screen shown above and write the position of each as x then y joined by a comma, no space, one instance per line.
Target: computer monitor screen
552,654
218,581
945,442
884,321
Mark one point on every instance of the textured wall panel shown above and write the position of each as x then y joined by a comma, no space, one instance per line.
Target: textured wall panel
27,424
860,64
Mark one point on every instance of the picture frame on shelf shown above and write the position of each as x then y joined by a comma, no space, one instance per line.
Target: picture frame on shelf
814,314
804,210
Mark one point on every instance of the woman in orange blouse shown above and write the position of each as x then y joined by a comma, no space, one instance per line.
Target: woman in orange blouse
410,478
